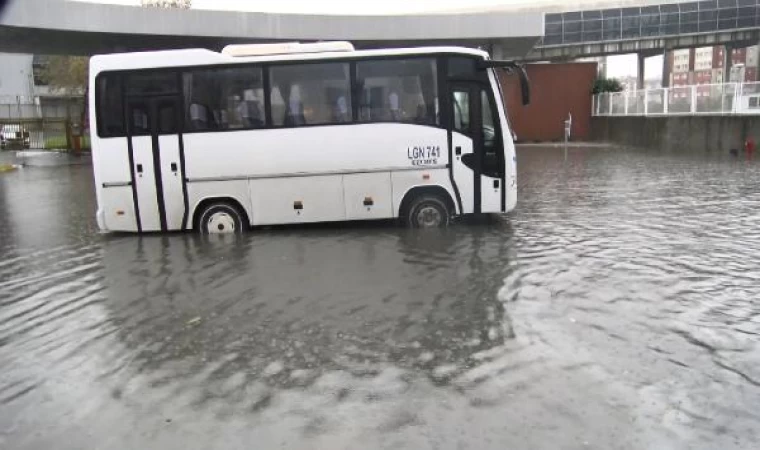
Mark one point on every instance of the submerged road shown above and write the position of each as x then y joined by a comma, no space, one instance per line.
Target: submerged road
617,307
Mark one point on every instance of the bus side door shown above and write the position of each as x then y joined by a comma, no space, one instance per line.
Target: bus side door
155,144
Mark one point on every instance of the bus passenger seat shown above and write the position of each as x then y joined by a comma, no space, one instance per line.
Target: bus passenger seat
294,116
198,117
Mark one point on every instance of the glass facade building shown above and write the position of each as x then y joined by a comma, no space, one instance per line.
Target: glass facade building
650,21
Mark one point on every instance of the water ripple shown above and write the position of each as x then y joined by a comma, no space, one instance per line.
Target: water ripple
614,309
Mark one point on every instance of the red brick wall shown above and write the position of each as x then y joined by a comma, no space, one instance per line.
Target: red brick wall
750,74
556,89
718,56
738,55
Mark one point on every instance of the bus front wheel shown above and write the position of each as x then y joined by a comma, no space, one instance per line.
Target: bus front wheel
220,218
427,211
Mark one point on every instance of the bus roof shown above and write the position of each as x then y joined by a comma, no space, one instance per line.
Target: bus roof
200,57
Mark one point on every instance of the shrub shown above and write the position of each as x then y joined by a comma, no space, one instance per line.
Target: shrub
602,85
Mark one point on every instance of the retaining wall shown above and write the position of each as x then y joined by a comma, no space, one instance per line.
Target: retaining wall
696,133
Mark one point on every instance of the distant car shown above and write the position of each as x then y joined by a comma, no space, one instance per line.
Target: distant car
14,136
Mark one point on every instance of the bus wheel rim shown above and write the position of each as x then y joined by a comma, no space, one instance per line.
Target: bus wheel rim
220,223
429,217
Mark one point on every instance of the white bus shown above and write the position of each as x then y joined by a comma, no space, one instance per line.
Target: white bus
295,133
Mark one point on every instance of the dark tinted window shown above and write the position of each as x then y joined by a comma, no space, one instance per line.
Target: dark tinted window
572,27
310,94
689,17
460,67
139,117
596,14
592,35
224,99
152,83
110,109
708,16
670,19
398,90
592,25
461,102
726,24
556,28
746,22
167,117
631,12
710,4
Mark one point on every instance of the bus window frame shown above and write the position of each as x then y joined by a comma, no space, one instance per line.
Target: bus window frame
442,81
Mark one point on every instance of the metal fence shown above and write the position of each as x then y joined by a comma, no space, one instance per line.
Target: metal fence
25,124
49,134
702,99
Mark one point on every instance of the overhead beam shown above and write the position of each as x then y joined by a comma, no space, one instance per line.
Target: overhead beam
53,26
745,37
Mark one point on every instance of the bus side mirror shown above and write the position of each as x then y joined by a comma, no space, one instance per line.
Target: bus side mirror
511,67
524,85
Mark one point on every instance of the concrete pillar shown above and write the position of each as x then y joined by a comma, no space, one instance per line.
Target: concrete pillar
640,74
727,63
665,69
602,67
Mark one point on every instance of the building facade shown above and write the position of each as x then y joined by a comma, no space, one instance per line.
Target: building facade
706,65
16,78
21,83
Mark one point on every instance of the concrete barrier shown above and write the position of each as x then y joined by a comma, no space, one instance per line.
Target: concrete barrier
696,133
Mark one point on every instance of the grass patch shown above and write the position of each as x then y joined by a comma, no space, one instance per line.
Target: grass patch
57,142
6,168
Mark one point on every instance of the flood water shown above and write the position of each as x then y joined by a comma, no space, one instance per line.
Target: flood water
617,307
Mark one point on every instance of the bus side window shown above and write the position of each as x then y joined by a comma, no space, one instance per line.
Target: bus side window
397,90
110,107
138,124
461,102
221,99
310,93
490,141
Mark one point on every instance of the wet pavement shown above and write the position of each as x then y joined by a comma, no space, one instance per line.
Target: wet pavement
617,307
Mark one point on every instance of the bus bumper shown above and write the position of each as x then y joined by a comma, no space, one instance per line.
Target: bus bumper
100,216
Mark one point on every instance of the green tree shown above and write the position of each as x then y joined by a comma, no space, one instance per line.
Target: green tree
602,85
66,74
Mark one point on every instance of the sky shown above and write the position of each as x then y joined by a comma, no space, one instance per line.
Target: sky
618,66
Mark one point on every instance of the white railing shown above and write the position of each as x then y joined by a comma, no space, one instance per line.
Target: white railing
701,99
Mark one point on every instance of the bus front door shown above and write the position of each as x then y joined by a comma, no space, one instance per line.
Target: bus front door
467,143
155,145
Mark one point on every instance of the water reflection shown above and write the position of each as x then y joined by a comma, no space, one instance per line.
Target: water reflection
277,303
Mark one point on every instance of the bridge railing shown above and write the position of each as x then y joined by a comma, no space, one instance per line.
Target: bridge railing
701,99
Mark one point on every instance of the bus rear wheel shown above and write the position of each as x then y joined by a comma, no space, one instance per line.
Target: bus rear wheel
427,211
220,218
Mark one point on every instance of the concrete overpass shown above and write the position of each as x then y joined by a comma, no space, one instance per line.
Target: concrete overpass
61,26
